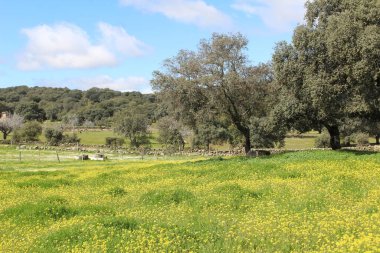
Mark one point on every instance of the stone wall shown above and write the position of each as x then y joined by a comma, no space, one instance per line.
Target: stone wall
196,152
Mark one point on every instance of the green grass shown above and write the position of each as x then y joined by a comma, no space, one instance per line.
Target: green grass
320,201
96,137
299,143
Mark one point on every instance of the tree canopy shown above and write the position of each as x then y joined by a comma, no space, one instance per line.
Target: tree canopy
215,84
330,71
56,104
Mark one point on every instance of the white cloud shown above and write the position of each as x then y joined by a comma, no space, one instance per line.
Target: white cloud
279,15
187,11
131,83
120,40
66,45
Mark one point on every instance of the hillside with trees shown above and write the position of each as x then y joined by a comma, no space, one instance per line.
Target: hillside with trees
92,107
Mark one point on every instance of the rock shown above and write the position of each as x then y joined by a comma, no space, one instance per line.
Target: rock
257,153
82,157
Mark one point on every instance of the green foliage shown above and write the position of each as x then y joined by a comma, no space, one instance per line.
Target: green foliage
267,133
114,141
134,125
214,205
52,208
215,86
347,141
30,111
70,139
44,183
117,192
120,223
207,134
167,197
95,105
30,131
170,133
322,141
53,136
361,139
330,70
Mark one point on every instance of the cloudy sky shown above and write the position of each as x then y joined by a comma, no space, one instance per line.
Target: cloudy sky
117,44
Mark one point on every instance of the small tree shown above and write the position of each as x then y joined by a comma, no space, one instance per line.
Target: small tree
54,136
71,122
114,142
9,124
133,124
70,138
28,132
88,124
170,134
323,141
361,139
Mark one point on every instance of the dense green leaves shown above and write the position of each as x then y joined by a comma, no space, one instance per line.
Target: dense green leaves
215,87
133,124
330,72
95,105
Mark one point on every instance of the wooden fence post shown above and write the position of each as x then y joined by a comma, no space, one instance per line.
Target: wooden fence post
58,157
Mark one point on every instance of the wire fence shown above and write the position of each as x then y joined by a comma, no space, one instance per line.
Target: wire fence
14,154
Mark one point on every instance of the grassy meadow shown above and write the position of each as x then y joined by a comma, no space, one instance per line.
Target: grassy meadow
315,201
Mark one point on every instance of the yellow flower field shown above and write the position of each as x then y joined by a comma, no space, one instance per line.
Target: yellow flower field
321,201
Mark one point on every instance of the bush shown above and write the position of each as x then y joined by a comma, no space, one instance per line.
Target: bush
323,141
70,139
361,139
115,142
347,141
28,132
54,136
267,133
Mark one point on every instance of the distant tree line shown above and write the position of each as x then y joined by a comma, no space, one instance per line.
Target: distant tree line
92,107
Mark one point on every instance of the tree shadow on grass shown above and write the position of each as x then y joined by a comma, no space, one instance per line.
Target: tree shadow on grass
357,152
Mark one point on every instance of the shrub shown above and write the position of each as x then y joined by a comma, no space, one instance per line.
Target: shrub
361,139
54,136
28,132
347,141
322,141
70,139
115,142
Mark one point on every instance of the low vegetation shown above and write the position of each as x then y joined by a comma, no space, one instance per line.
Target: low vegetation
320,201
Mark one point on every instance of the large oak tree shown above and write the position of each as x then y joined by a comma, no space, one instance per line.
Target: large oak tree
215,82
331,70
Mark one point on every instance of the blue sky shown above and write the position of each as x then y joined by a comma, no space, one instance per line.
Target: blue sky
117,44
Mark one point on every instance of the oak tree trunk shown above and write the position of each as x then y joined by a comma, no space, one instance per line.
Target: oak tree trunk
334,137
247,145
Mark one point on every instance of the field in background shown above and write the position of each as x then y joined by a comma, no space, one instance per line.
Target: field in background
98,137
321,201
303,141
